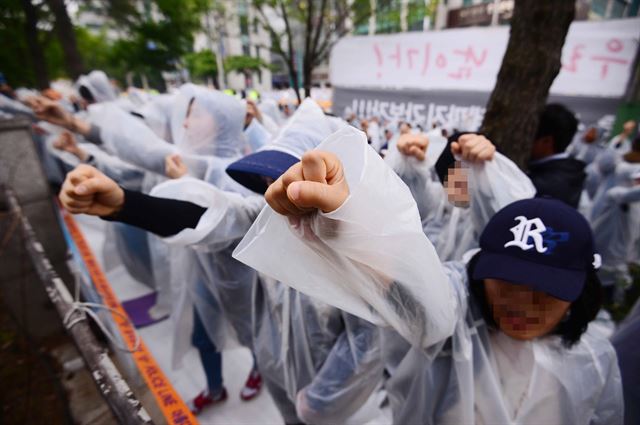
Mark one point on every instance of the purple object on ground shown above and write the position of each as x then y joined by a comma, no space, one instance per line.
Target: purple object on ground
138,310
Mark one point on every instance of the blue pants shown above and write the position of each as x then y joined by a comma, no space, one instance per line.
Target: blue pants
209,355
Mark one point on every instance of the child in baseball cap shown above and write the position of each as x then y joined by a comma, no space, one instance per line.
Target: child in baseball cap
502,338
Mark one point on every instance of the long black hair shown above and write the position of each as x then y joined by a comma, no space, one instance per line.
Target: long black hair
582,311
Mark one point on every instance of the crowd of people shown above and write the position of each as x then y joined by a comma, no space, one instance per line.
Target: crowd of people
354,256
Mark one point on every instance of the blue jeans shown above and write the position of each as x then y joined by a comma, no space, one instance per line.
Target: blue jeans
209,355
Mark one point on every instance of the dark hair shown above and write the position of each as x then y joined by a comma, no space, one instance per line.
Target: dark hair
446,159
582,311
86,94
558,122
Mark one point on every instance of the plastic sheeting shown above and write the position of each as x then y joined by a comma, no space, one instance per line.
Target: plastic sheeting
455,230
615,220
319,364
456,371
214,125
257,135
99,85
483,377
330,266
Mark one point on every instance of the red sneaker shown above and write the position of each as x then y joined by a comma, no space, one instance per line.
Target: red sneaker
204,399
252,386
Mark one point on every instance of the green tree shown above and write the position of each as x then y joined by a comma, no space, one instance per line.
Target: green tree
245,65
318,24
202,65
31,54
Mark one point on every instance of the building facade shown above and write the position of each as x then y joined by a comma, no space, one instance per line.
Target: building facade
233,30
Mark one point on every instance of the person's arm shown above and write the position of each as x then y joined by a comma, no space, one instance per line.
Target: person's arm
169,217
130,139
184,211
348,244
348,376
87,191
609,408
493,185
410,163
624,195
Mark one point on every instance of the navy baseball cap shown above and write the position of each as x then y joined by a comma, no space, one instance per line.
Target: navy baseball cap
250,170
541,243
306,129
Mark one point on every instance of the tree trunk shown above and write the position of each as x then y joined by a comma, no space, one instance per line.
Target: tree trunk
67,37
530,64
307,82
35,49
293,73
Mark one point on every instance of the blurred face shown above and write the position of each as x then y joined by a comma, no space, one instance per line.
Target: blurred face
456,185
388,135
199,127
629,126
542,148
591,135
404,128
521,312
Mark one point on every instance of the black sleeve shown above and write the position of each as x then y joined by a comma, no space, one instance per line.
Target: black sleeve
164,217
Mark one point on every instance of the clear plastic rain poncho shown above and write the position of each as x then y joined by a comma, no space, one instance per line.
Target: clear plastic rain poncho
583,151
156,113
204,274
455,230
601,174
206,277
98,85
214,126
129,138
269,107
615,220
371,257
298,343
213,135
257,135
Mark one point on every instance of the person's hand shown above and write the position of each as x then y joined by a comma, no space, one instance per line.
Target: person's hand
48,110
174,167
414,145
316,182
51,111
88,191
67,142
473,148
252,109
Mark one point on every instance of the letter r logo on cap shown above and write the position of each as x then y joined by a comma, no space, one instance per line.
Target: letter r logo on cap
526,229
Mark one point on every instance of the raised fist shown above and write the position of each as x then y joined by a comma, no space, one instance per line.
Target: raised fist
316,182
88,191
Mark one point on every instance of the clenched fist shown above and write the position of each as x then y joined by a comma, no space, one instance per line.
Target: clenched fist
67,142
413,145
316,182
174,167
88,191
473,148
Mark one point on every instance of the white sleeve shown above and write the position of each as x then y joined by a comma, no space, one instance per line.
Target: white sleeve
609,408
624,195
130,139
369,257
417,175
493,185
227,218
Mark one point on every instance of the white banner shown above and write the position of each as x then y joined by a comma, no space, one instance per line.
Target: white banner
596,59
